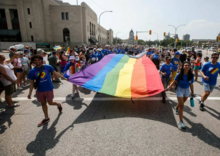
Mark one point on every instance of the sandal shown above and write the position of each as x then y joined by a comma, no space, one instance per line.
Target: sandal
14,105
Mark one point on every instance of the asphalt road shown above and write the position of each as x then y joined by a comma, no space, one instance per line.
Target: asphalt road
97,124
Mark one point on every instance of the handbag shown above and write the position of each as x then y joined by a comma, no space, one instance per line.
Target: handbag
38,78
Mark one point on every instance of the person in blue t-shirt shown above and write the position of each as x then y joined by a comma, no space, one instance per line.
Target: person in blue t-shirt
209,74
176,64
185,80
92,57
156,59
44,90
99,55
149,53
166,71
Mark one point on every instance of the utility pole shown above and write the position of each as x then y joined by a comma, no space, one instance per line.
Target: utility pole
175,33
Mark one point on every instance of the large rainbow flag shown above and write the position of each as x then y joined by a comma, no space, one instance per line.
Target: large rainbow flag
121,75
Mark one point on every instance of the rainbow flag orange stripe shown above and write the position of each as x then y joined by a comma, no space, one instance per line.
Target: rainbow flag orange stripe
213,71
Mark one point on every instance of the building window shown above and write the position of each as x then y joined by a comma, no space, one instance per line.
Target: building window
67,16
32,38
62,15
30,24
28,10
66,35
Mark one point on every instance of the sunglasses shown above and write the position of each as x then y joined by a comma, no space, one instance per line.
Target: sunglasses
215,57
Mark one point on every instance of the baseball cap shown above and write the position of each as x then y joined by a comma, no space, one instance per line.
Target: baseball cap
177,53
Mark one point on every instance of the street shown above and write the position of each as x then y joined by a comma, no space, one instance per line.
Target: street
102,125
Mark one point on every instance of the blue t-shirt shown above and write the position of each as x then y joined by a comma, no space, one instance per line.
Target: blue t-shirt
95,52
45,83
92,57
166,69
149,53
184,83
211,71
110,52
156,57
122,51
175,63
99,55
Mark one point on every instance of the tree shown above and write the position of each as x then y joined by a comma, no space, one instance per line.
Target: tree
117,41
141,42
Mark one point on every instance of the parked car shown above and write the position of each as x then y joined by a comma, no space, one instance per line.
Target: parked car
213,49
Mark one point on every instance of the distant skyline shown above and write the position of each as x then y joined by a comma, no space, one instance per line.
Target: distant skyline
200,17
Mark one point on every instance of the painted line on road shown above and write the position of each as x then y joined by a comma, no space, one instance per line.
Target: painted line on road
110,99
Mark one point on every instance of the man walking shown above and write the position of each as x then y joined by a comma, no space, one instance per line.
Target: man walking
209,74
44,92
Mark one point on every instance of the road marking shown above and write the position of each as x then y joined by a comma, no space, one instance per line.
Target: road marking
110,99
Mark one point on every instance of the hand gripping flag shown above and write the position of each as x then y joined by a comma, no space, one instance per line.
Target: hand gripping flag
122,76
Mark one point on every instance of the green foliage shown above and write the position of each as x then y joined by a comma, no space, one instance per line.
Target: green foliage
117,41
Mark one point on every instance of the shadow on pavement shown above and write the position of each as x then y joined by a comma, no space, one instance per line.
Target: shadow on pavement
103,110
84,90
204,134
6,117
209,109
46,139
76,104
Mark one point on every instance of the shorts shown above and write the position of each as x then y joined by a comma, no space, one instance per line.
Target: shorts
26,72
18,70
182,92
10,89
196,67
45,96
208,87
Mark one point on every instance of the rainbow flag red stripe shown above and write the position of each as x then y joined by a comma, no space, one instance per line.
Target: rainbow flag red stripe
122,76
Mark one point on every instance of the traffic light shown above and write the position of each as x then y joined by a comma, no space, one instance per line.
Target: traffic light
136,38
218,38
177,40
150,32
164,34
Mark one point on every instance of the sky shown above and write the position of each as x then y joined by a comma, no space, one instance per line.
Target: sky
200,17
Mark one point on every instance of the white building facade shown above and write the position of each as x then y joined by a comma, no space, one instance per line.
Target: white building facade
50,22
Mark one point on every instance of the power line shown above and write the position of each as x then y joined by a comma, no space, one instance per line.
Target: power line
99,5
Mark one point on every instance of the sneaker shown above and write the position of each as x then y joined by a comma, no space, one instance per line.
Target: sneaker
73,95
181,124
43,122
60,108
164,100
201,106
177,112
20,87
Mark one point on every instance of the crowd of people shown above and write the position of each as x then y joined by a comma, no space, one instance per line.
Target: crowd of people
178,71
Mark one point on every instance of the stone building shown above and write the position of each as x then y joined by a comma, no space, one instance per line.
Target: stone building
50,22
131,39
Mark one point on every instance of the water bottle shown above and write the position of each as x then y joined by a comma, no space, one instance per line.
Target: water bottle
192,102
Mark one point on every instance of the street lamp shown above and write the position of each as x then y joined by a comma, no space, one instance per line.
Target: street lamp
175,33
99,23
157,37
116,37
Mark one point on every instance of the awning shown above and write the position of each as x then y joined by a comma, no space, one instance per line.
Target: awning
5,32
93,40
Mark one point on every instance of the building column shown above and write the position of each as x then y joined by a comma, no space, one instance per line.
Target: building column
8,18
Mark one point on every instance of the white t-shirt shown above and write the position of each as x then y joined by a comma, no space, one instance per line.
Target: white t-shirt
44,59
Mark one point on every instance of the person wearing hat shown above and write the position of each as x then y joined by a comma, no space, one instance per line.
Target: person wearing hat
71,68
176,64
26,67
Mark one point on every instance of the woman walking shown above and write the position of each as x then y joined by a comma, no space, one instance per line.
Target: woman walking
184,81
19,70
